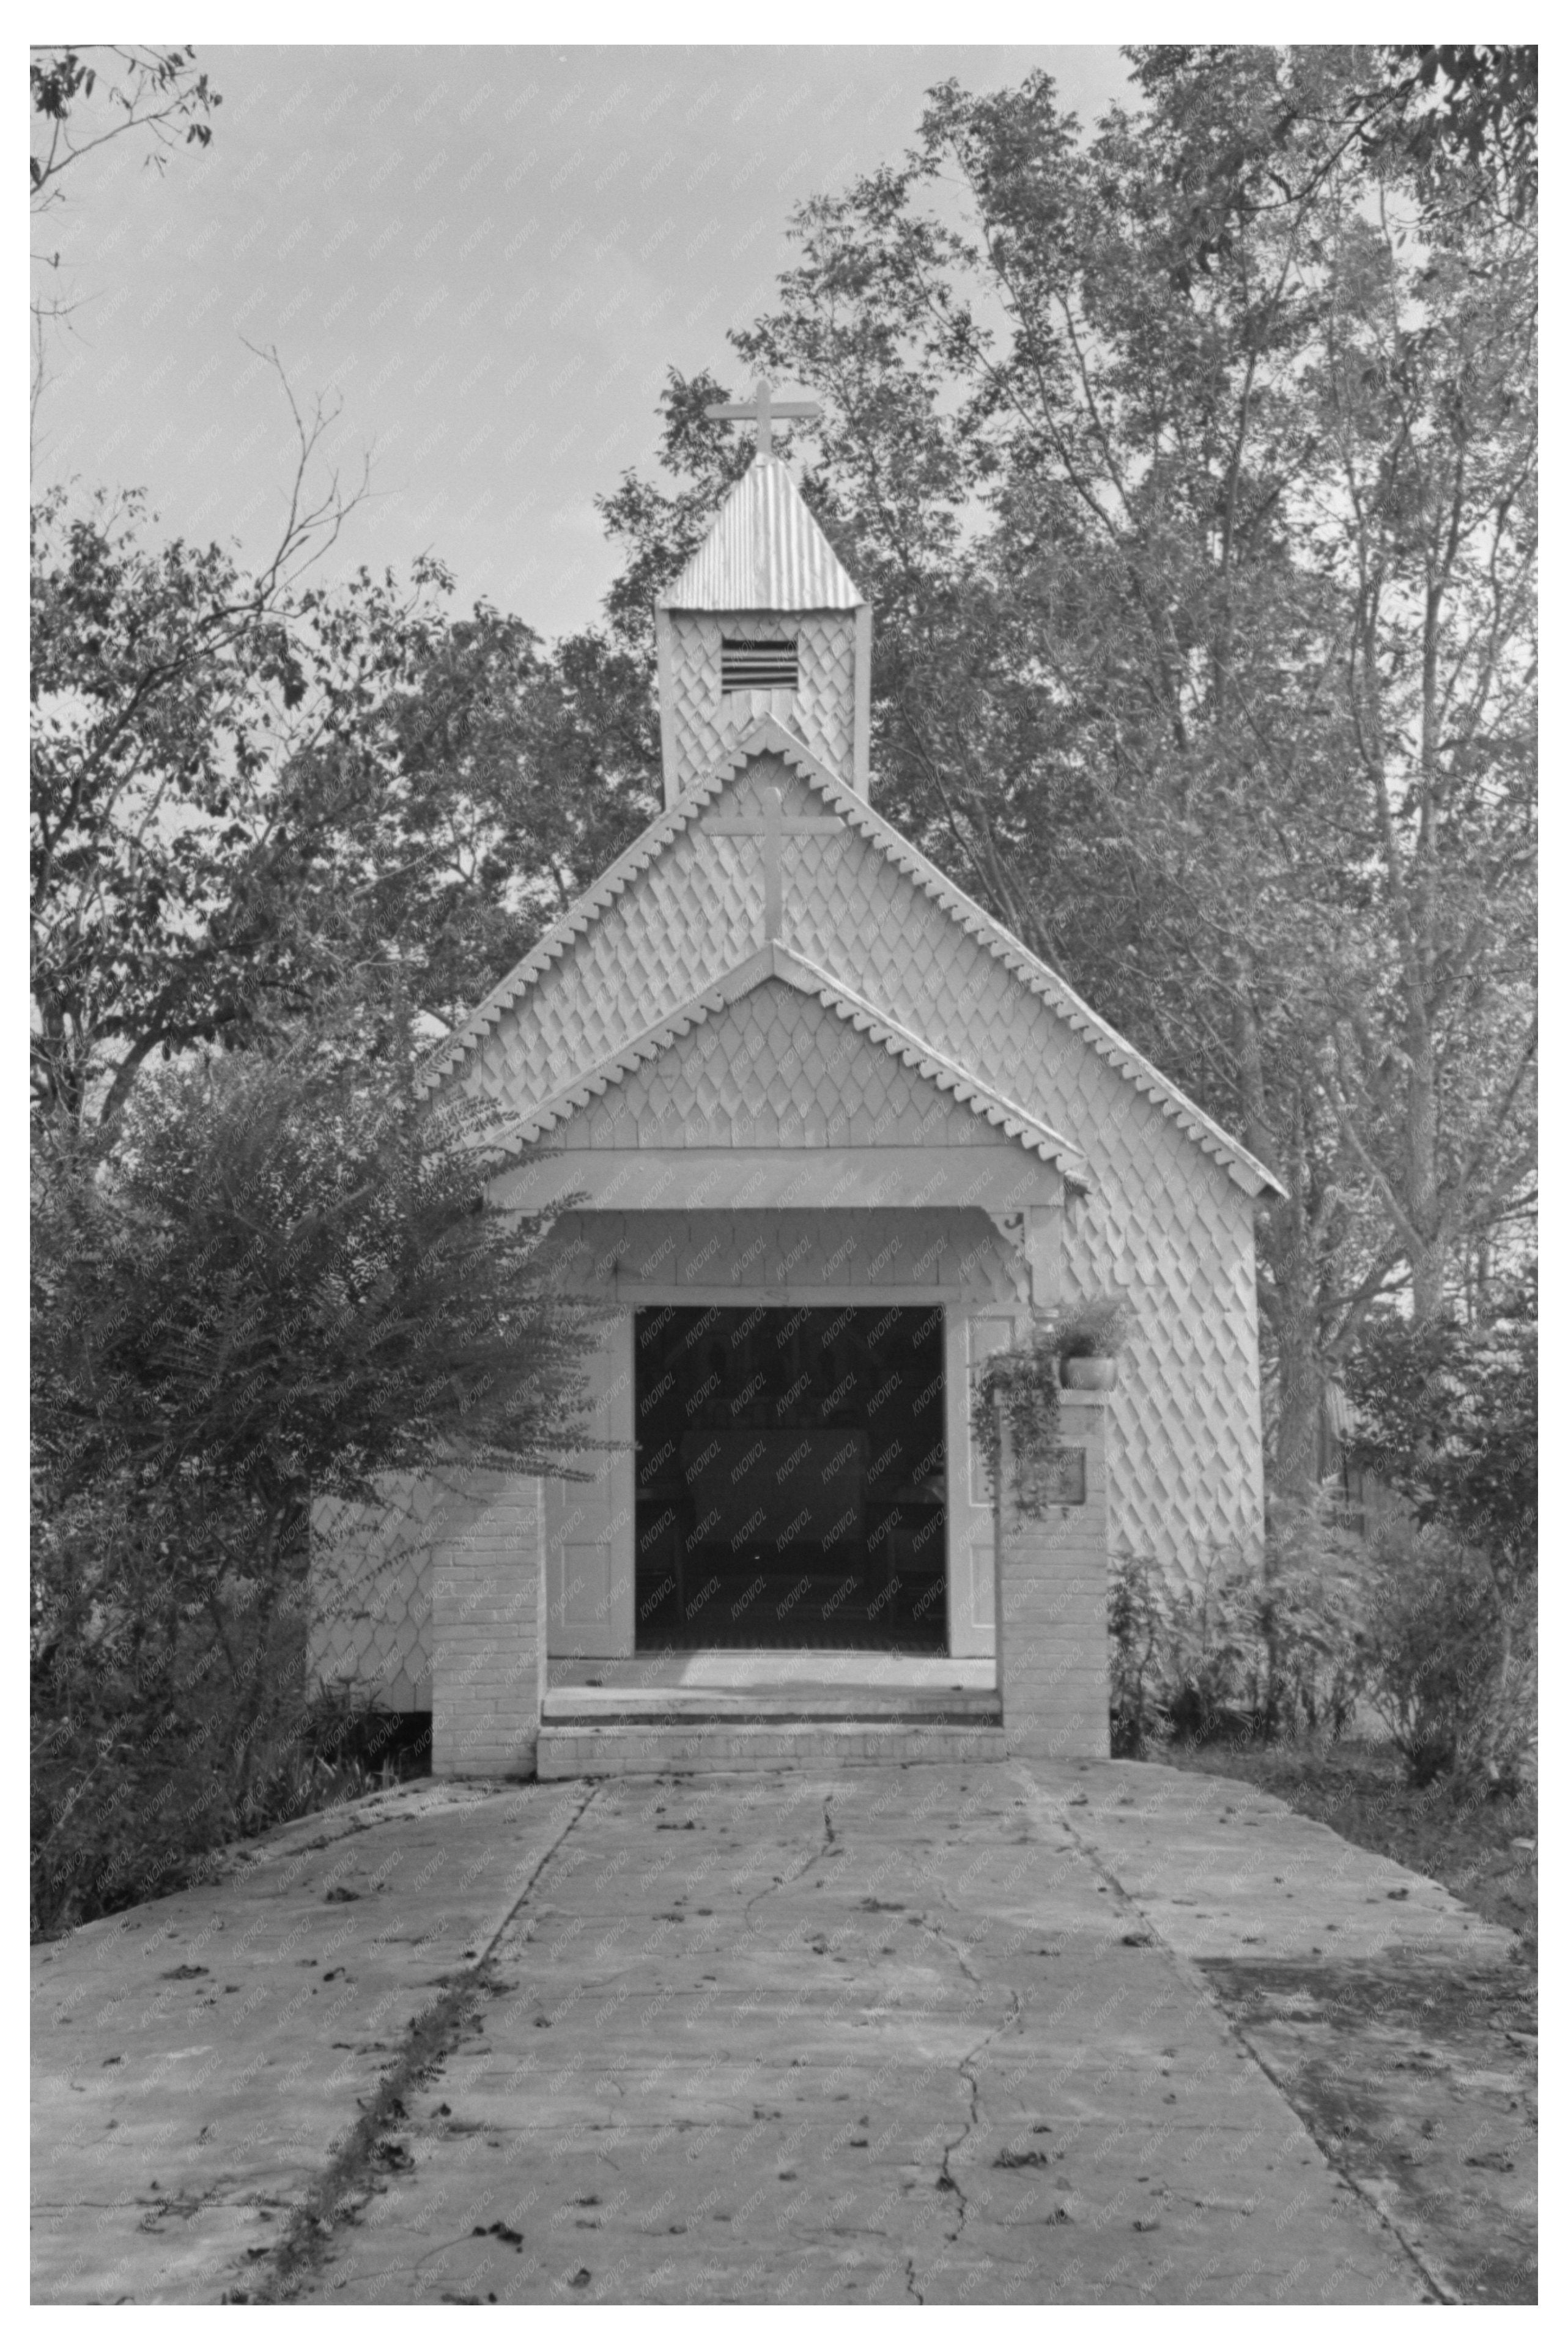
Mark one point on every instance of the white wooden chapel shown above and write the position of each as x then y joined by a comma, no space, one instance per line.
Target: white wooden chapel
821,1109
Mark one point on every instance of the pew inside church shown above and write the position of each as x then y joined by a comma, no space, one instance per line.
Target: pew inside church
791,1479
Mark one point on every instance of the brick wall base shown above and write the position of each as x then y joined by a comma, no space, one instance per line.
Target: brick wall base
487,1666
1053,1587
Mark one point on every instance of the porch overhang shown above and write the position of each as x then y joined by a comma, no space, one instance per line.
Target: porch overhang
1002,1180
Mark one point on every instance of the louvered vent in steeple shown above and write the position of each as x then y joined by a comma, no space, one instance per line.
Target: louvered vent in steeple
758,665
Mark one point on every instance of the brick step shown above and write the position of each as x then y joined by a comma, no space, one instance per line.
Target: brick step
615,1749
801,1704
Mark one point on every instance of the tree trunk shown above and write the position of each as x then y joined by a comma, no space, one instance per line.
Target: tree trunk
1429,1259
1502,1583
1427,1267
1300,1400
1290,1249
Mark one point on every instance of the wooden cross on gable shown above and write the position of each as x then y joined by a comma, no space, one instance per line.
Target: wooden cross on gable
773,830
765,408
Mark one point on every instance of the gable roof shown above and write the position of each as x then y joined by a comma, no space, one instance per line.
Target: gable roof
764,553
775,961
768,735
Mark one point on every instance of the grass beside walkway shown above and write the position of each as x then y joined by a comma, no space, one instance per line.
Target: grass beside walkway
1412,2125
1466,1843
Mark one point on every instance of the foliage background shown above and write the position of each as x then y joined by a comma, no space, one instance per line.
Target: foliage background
1190,463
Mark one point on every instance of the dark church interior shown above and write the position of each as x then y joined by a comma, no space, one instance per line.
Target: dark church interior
790,1479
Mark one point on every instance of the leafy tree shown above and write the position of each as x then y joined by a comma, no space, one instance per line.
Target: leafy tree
1444,1669
162,682
659,530
249,790
1455,121
272,1281
1445,1414
508,774
81,100
1191,471
1463,114
277,1279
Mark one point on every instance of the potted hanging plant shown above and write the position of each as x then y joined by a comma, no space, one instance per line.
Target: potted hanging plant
1019,1385
1072,1348
1089,1334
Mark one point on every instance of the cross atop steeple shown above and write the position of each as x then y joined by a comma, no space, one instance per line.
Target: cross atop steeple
765,408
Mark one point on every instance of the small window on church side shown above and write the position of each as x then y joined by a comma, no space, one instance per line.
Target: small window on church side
765,665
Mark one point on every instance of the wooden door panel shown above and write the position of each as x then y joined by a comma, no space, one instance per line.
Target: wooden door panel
972,1334
590,1526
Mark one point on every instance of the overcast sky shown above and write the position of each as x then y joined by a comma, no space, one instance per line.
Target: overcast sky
488,257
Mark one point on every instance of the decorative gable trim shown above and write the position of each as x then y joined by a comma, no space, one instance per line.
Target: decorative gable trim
775,961
768,735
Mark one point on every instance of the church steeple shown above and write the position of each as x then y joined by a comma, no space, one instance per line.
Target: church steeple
763,621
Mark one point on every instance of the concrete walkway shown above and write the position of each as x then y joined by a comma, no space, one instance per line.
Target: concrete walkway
932,2033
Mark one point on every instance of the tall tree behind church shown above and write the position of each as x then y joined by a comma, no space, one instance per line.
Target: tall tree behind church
251,794
1191,472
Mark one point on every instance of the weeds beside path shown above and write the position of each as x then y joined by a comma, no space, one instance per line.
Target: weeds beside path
1419,2078
1471,1844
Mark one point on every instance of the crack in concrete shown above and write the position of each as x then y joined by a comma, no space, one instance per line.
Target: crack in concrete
437,2252
184,2206
944,2176
965,2069
941,1934
814,1859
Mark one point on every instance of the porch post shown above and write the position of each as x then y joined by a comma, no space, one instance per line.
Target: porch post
487,1672
1052,1595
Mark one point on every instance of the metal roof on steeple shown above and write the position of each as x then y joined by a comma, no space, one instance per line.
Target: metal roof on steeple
765,552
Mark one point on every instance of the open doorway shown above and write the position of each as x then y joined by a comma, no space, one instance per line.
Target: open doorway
791,1486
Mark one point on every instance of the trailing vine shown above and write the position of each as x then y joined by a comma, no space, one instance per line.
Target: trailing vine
1022,1386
